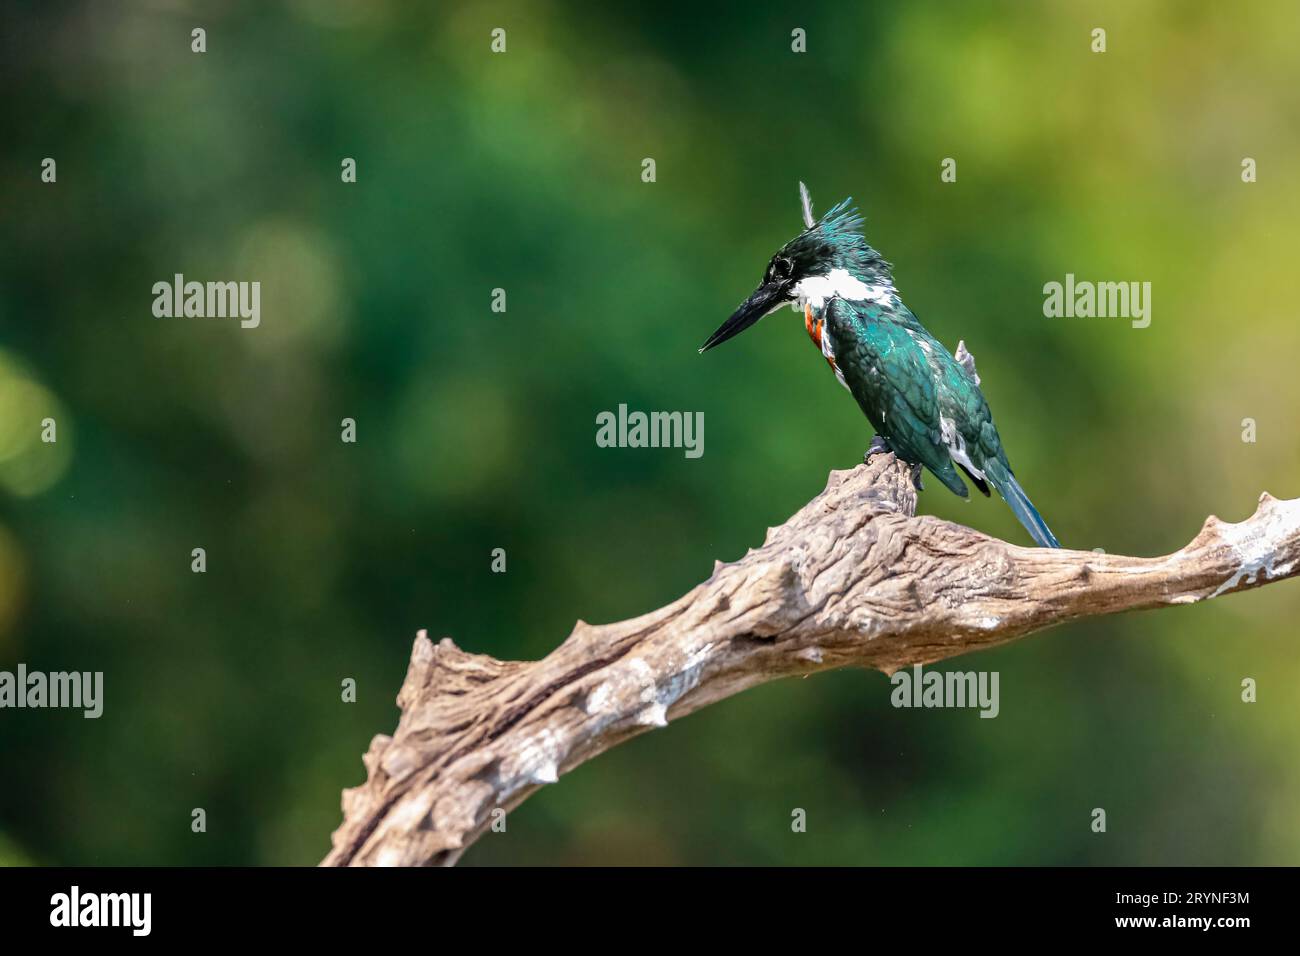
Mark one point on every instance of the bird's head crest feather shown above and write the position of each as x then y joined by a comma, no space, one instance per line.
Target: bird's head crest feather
836,236
806,201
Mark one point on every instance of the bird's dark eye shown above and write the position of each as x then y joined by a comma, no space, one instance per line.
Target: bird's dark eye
780,269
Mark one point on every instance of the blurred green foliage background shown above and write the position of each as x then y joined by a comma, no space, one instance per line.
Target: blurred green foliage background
476,430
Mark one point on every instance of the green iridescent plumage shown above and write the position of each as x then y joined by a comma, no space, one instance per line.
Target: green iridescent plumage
905,382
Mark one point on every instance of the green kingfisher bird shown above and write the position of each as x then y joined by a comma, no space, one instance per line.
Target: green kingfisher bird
924,403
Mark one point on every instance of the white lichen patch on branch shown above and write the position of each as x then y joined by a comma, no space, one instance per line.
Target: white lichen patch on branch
598,700
686,679
631,685
537,761
653,715
548,772
1254,543
628,681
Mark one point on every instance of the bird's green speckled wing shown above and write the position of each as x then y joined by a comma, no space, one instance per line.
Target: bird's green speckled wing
886,360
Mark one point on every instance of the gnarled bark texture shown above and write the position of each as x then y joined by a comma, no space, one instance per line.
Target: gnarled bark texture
854,578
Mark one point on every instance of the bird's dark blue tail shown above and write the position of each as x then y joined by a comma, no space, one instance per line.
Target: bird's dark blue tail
1024,510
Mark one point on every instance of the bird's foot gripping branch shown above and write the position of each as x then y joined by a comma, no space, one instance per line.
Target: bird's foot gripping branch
854,578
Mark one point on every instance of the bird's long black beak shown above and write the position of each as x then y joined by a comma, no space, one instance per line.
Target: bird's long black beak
765,298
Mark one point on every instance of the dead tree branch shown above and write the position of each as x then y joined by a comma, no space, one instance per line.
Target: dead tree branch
852,579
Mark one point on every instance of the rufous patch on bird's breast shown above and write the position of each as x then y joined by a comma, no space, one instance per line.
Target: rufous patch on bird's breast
814,327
